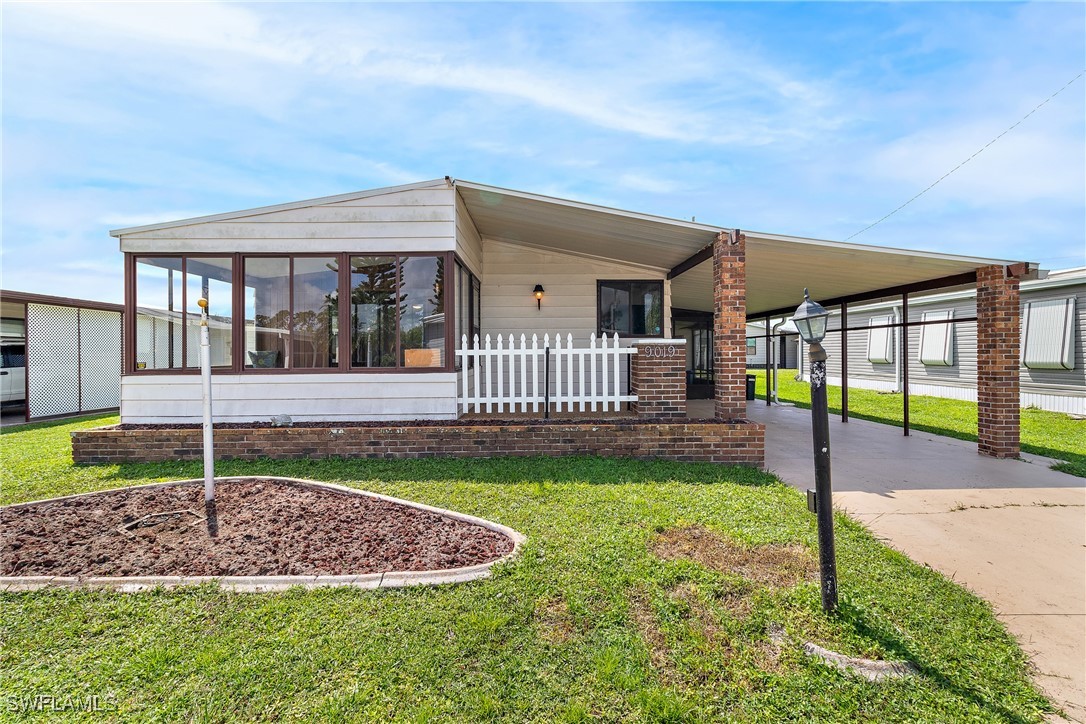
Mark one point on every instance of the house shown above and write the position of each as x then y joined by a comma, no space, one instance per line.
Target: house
366,306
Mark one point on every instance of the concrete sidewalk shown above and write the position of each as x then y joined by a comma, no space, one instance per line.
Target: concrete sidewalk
1014,532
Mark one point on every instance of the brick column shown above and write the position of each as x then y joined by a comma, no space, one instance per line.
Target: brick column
998,339
658,378
730,325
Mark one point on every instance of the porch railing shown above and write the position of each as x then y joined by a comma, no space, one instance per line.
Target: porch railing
543,375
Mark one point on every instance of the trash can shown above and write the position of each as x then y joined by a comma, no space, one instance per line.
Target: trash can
750,386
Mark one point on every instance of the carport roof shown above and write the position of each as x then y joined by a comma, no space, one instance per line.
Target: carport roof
778,267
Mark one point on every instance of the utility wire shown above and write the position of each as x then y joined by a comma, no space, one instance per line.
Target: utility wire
929,188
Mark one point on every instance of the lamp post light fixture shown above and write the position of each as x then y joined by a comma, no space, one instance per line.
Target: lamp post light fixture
538,292
810,319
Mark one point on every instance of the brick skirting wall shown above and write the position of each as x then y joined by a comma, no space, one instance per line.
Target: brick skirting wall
741,442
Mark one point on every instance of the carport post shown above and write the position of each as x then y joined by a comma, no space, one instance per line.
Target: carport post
905,362
768,362
844,362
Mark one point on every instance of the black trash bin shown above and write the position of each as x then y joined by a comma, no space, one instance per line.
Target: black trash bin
750,386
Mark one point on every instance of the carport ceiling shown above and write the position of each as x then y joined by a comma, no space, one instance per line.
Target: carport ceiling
778,267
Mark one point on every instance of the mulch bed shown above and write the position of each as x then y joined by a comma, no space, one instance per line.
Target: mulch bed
261,528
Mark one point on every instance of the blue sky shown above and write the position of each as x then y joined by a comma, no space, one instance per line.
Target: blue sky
807,119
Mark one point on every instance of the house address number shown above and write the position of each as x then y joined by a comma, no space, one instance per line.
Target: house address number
656,351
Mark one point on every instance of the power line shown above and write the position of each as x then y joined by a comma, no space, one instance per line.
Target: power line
929,188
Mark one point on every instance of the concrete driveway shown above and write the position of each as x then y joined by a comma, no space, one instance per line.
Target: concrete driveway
1013,532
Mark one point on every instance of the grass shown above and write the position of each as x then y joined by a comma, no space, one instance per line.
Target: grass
586,624
1051,434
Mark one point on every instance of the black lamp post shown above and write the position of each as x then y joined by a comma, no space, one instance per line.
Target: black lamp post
810,320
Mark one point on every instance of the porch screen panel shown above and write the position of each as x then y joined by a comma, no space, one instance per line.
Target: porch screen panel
99,359
52,362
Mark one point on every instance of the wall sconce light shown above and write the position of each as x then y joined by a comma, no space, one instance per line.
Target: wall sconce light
538,291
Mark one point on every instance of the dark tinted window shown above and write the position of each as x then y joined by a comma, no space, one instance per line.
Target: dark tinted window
14,355
632,308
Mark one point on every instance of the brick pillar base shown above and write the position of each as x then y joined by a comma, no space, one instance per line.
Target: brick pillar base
730,325
998,339
658,378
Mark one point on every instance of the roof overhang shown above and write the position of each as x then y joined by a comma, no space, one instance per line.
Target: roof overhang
583,229
778,267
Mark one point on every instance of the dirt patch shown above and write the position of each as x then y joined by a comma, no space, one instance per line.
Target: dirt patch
645,620
553,620
775,565
261,528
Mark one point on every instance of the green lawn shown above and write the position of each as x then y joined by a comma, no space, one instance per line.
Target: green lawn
586,624
1051,434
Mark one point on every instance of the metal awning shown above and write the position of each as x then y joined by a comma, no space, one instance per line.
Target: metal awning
778,267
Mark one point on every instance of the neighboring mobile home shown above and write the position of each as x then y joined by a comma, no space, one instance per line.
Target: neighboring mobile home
356,307
943,357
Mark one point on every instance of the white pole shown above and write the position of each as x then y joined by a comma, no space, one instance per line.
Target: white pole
205,379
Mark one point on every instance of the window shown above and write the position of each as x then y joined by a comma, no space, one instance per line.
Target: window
14,355
937,340
467,302
167,317
1048,334
397,311
630,308
301,312
880,342
373,311
291,312
422,311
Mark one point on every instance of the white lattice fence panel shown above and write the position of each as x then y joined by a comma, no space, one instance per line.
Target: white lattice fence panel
100,358
52,360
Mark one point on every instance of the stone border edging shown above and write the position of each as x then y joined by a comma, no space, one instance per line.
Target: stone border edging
268,584
870,669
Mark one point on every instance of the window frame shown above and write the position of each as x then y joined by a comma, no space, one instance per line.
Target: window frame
629,335
237,333
129,328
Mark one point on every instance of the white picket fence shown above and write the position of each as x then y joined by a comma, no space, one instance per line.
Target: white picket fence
505,377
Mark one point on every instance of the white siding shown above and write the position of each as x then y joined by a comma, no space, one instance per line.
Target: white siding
469,245
305,397
569,304
413,220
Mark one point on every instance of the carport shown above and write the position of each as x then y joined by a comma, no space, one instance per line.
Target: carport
61,356
761,277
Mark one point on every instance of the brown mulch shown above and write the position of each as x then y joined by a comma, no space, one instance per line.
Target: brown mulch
776,566
259,528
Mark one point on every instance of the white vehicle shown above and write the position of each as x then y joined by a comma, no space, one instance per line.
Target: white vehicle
13,371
